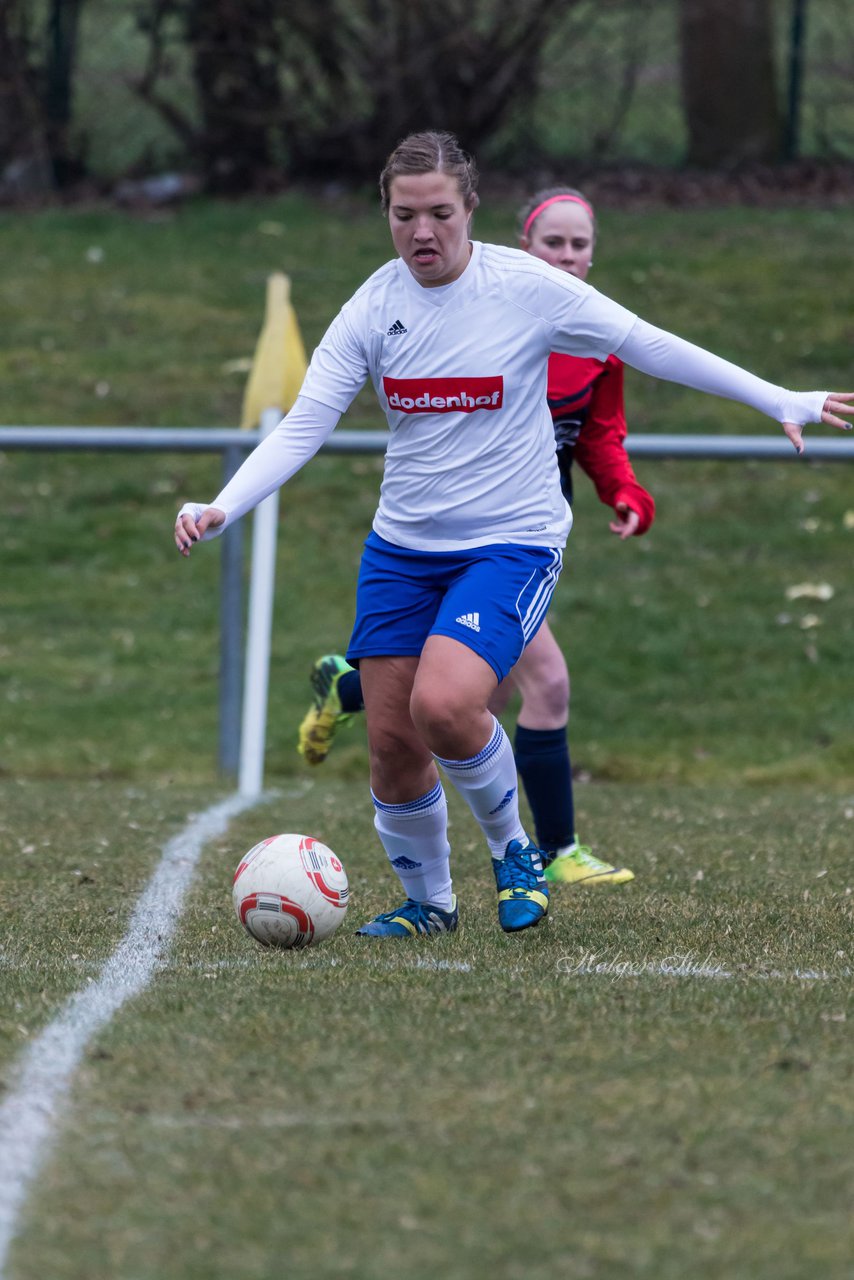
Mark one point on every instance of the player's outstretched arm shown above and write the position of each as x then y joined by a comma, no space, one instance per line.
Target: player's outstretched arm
838,402
193,522
664,355
279,456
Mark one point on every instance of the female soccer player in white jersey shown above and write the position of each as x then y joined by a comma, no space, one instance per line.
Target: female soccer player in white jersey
585,397
467,540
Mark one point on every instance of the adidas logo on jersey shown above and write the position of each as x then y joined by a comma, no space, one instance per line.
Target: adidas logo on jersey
396,329
470,620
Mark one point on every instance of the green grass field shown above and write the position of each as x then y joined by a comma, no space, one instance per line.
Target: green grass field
658,1083
480,1104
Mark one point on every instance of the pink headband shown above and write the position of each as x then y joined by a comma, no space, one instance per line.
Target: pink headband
535,213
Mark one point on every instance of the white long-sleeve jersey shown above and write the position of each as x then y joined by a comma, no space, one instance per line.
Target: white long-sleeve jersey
460,372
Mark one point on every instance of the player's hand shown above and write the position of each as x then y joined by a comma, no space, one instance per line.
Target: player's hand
838,402
626,523
193,520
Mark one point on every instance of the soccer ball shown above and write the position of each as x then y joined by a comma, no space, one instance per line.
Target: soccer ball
290,891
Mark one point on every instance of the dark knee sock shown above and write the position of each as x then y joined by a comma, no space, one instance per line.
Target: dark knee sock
542,759
350,692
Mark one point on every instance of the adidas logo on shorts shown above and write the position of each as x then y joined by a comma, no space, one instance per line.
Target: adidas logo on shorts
470,620
396,329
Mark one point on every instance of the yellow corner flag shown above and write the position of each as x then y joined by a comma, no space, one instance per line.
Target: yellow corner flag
279,364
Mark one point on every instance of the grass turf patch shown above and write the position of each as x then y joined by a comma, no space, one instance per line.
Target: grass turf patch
657,1082
75,857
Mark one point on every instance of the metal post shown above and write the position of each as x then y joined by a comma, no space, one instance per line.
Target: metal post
259,625
231,631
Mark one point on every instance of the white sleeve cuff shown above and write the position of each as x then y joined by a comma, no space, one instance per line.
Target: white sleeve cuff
194,510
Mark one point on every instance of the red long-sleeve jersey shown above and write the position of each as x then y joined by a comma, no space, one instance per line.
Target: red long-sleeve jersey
586,401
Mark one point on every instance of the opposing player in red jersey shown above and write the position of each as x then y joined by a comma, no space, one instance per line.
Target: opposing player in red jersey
585,397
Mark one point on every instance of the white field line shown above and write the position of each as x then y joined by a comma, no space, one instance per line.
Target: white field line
43,1076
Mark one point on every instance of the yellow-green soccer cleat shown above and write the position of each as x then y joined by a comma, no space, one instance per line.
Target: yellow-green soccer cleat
576,864
325,716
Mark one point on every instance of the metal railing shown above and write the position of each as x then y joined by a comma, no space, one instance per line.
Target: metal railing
233,444
224,439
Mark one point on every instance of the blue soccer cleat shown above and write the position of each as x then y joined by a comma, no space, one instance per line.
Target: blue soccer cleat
523,893
412,919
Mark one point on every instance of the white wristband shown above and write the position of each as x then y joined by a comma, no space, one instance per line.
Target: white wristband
194,511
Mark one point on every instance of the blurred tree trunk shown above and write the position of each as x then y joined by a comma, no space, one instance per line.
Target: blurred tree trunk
37,153
25,168
236,55
729,86
231,131
60,56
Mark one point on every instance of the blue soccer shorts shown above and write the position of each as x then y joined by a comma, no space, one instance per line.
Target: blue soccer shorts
492,599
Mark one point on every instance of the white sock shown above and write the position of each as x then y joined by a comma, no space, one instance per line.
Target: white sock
415,837
489,784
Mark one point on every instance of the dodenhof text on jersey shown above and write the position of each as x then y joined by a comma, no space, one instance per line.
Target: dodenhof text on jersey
444,395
